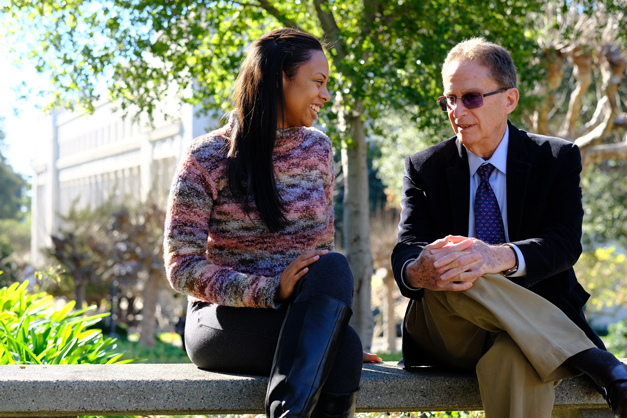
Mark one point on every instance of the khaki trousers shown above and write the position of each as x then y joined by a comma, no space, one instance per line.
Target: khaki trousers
516,341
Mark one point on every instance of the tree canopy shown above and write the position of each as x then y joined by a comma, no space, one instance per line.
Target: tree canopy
385,55
12,186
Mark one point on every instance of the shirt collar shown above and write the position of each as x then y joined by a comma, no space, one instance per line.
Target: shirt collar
498,159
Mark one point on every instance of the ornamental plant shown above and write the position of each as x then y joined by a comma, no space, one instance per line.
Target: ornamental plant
616,340
34,330
602,273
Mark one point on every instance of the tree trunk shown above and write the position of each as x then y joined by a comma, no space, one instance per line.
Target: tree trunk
149,321
390,328
81,284
356,231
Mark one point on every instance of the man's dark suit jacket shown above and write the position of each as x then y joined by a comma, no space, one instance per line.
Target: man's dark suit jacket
544,216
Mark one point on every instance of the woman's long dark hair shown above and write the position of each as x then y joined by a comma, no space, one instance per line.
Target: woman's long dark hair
259,99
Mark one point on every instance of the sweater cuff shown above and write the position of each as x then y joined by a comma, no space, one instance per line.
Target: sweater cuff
269,299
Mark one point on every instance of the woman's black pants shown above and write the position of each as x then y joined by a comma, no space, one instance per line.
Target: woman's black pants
243,340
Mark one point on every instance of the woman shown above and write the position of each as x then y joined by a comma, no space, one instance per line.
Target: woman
249,234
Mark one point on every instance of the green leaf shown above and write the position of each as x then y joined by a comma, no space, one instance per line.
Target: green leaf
21,349
64,312
60,357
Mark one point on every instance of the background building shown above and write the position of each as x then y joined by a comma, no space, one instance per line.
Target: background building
88,158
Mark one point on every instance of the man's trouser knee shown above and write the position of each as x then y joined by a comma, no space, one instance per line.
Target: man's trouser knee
496,316
454,327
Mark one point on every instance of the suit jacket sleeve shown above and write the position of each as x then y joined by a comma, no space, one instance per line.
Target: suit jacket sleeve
552,242
414,228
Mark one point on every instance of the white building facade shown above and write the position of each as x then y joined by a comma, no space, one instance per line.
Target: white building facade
87,158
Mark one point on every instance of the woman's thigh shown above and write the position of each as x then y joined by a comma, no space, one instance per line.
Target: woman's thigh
232,340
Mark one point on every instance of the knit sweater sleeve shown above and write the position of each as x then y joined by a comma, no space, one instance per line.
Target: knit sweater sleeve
329,180
188,267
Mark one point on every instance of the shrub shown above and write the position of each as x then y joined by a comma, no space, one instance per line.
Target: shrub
616,339
602,273
34,331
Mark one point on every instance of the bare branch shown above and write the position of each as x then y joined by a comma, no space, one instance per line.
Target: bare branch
583,73
529,121
597,117
583,37
604,152
613,73
596,135
554,62
542,115
613,69
330,28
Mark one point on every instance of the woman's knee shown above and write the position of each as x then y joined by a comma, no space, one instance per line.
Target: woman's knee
330,275
333,266
335,260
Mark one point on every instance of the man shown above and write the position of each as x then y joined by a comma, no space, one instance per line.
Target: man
490,229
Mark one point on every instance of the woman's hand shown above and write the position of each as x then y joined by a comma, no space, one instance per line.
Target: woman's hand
371,358
294,271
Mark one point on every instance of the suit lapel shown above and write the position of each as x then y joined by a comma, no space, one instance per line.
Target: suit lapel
458,180
517,178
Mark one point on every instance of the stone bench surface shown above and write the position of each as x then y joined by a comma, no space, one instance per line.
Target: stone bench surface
177,389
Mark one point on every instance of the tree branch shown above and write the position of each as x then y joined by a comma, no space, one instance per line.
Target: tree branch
285,21
597,117
596,135
553,60
613,72
583,73
604,152
529,121
370,12
613,69
330,28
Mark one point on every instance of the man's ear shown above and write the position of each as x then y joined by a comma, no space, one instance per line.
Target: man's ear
511,100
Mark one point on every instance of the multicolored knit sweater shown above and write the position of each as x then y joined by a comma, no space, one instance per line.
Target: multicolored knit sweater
214,251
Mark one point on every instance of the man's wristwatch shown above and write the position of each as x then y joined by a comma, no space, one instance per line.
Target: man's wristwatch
514,269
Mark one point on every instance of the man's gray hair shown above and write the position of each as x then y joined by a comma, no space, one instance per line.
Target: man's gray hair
494,57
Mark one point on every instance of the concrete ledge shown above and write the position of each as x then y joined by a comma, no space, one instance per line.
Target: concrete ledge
164,389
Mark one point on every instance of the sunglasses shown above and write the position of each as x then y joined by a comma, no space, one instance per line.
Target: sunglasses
470,100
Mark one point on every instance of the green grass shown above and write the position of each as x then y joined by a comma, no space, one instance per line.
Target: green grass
167,350
616,339
454,414
390,356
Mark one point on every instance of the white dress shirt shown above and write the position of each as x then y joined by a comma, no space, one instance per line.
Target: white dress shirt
498,182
